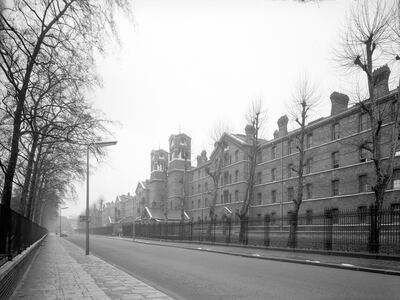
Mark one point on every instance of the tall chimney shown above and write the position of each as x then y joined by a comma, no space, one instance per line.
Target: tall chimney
199,160
249,130
339,103
204,156
282,125
380,78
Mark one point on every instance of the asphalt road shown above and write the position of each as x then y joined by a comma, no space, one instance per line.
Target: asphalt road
190,274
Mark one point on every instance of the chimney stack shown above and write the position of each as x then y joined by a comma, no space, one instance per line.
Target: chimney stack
282,125
202,158
198,160
380,78
249,130
339,103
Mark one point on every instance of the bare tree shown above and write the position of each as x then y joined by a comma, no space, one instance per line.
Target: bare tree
34,35
304,101
364,46
256,118
215,169
58,166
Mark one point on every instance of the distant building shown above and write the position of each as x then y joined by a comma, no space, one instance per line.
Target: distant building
124,207
142,197
108,214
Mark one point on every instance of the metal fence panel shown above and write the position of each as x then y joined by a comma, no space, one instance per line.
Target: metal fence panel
351,231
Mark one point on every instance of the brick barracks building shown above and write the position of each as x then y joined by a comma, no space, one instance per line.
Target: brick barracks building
338,173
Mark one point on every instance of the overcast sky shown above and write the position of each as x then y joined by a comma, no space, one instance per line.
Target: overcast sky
188,65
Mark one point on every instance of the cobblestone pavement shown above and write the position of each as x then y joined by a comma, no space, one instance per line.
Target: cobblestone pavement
62,271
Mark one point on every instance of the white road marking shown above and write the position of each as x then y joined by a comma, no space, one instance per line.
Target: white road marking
347,265
313,261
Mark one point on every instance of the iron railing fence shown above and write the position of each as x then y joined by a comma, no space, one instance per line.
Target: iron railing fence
361,230
349,231
16,234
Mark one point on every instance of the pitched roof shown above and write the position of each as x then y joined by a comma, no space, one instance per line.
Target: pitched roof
124,198
179,134
243,138
141,184
128,219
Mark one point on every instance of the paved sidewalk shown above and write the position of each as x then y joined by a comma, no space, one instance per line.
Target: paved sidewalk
345,262
62,271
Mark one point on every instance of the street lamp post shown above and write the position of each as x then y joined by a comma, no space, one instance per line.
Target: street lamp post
60,218
95,145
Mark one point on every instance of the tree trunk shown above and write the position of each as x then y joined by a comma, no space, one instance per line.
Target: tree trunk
376,215
293,218
33,185
212,212
5,214
27,179
216,176
42,209
293,221
243,233
244,230
38,208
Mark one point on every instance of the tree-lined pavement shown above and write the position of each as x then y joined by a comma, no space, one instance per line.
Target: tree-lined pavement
61,270
188,274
